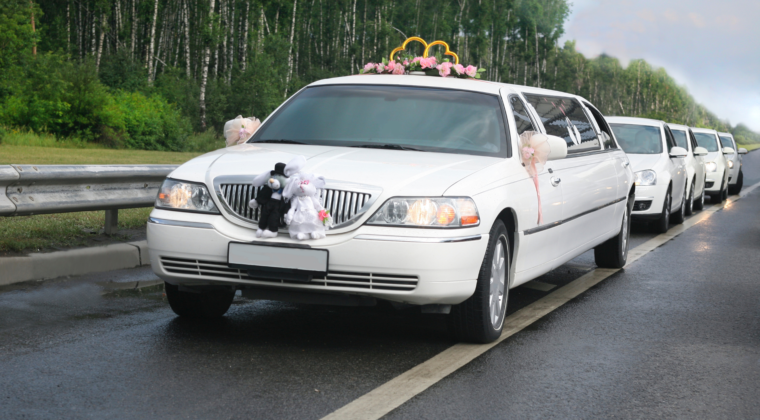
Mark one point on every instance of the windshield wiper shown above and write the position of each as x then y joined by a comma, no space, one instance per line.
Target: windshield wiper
286,141
387,146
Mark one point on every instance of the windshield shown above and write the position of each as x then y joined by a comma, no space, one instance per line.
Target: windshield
681,140
707,141
435,120
726,141
638,139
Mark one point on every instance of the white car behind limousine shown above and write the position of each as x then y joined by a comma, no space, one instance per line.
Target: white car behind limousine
431,203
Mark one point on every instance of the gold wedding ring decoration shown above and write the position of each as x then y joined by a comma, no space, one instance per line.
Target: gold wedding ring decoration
427,48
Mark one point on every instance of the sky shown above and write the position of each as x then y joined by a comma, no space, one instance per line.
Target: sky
711,47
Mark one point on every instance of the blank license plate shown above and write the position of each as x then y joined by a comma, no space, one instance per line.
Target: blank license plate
277,257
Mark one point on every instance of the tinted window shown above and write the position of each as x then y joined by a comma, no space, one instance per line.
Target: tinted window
564,117
436,120
602,123
707,141
694,143
669,138
726,141
638,139
681,138
522,119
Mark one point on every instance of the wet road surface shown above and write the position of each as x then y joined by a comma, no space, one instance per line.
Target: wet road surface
676,334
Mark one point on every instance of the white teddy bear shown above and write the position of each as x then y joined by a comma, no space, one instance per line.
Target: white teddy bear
307,218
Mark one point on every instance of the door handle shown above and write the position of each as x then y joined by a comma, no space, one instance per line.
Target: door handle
555,181
625,164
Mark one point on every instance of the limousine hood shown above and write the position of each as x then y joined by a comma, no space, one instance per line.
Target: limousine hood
397,172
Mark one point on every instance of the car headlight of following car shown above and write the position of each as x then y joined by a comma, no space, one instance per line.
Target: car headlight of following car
730,164
711,166
185,196
646,178
436,212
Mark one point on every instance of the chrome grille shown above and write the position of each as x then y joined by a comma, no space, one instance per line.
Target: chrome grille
213,270
343,205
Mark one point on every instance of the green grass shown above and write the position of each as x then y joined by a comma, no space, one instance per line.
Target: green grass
750,147
65,230
71,156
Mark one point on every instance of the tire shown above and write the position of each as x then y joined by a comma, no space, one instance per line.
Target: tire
700,203
679,217
737,188
480,318
724,193
661,225
614,252
690,200
203,304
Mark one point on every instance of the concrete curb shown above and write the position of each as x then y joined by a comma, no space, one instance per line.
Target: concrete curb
40,266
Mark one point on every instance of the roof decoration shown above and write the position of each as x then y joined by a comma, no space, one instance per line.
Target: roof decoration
428,65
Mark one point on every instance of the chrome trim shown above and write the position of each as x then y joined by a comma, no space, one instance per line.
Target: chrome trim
569,219
180,223
418,239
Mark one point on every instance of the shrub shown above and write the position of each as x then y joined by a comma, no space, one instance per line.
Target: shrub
151,123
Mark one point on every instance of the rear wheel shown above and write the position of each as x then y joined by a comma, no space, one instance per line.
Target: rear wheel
200,304
700,203
678,217
737,188
661,224
690,201
480,318
614,252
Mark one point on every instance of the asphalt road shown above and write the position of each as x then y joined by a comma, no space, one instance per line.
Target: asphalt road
676,334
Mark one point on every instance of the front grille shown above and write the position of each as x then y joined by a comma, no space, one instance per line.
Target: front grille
212,270
343,205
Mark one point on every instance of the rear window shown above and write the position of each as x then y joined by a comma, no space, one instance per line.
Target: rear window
638,139
427,119
726,141
564,117
681,139
707,141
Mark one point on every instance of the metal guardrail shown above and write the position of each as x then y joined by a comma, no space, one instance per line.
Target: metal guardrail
45,189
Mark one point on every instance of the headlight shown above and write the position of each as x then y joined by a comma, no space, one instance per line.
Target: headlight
646,178
178,195
730,164
711,166
427,212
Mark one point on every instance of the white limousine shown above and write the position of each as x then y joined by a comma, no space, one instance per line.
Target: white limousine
430,201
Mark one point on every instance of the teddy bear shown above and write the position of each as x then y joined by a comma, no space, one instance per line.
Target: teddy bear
270,198
307,218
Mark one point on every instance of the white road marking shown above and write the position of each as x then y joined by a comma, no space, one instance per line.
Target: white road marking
538,285
402,388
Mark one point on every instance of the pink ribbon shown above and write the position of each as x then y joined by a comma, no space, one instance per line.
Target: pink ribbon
538,190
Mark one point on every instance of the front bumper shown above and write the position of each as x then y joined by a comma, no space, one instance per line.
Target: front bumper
649,201
714,181
385,263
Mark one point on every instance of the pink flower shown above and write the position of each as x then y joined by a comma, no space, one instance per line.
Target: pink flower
406,62
444,69
399,69
391,65
322,215
368,67
471,71
416,59
527,153
379,67
459,69
427,63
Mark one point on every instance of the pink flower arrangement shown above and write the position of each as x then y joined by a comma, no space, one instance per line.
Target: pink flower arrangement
459,69
471,71
444,69
527,153
428,62
425,64
325,217
399,69
379,67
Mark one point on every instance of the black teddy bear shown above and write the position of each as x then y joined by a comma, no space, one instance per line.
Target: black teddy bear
270,199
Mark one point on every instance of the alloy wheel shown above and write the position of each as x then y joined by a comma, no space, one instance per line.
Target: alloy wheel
498,285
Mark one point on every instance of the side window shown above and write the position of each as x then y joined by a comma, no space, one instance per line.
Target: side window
609,141
522,118
564,117
694,144
669,139
681,139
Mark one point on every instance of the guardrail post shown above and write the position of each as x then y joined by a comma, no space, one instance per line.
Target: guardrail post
112,222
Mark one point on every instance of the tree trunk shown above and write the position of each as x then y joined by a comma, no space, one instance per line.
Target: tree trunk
188,67
34,46
134,28
231,52
245,36
290,49
150,60
68,27
103,26
204,73
364,31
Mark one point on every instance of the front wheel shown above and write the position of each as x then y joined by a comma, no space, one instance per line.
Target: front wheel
661,224
199,304
690,201
737,188
700,203
680,216
480,318
614,252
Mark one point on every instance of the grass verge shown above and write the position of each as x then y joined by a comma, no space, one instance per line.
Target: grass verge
47,232
749,147
71,156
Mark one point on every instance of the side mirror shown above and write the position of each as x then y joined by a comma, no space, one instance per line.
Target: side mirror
678,152
728,151
742,151
700,151
558,147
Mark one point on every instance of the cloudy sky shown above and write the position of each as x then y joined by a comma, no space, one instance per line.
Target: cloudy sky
711,47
